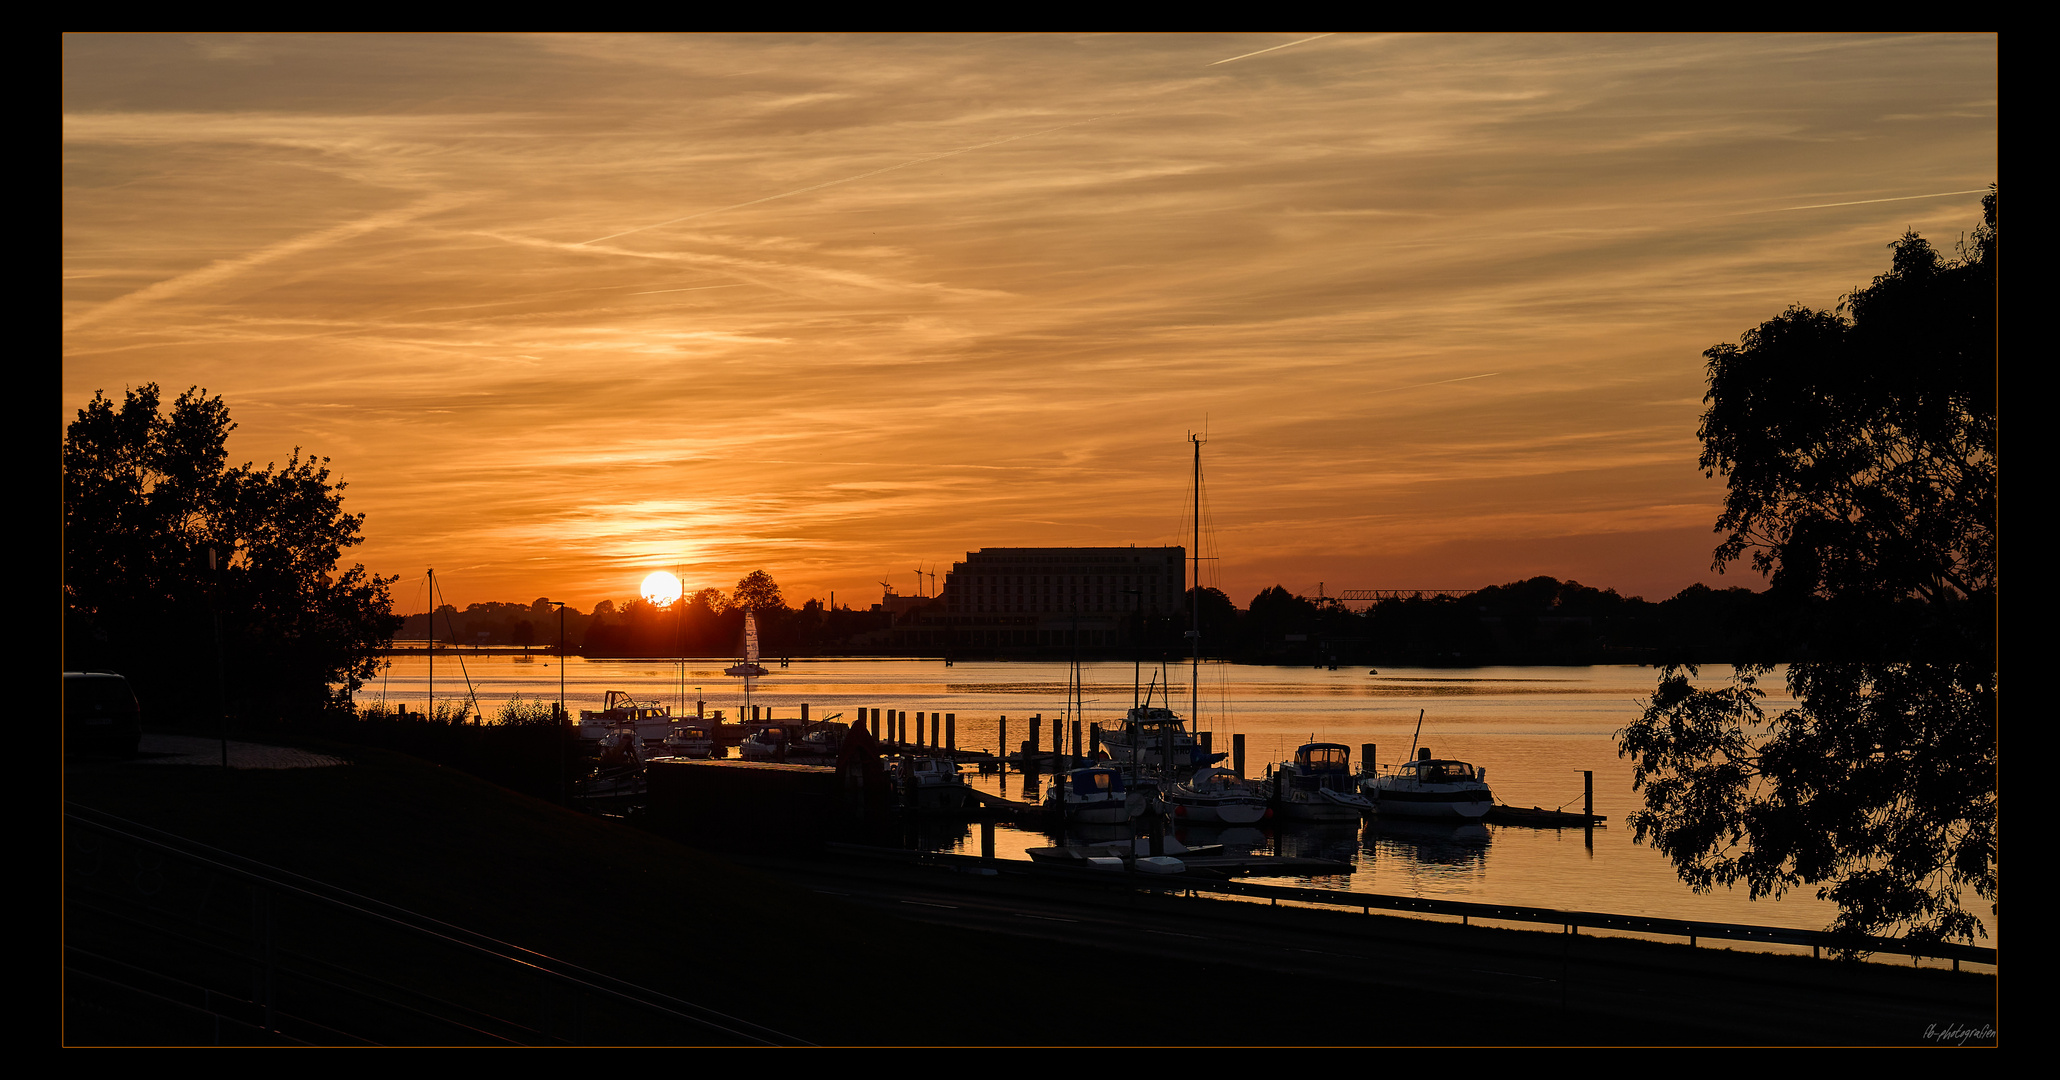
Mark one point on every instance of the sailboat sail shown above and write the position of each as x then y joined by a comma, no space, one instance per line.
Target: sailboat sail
750,665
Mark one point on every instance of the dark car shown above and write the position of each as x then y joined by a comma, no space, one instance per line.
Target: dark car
101,715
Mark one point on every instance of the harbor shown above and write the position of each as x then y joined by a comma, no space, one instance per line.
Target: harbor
1536,731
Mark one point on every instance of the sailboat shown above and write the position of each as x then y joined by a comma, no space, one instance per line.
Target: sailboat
750,668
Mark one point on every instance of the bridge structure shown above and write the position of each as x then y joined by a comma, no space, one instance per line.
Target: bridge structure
1365,598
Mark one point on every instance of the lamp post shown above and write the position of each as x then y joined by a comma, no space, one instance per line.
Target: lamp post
564,718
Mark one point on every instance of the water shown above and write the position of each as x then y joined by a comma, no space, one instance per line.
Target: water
1533,729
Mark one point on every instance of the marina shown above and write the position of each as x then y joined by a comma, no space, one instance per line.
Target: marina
1535,730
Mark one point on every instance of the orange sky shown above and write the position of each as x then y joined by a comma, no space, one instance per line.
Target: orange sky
564,310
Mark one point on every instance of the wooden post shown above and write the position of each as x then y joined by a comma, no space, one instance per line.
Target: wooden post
936,721
1001,741
951,731
1076,739
987,841
1237,753
804,712
1588,795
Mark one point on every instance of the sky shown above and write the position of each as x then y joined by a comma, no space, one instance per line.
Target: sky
564,310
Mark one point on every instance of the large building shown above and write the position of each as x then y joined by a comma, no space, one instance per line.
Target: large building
1011,598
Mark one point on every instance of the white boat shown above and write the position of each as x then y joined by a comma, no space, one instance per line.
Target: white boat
929,783
693,739
1215,797
1150,735
618,769
1095,796
652,722
1431,788
1317,785
767,743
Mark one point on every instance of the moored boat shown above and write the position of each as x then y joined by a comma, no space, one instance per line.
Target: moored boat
929,783
1215,797
650,721
1317,785
1152,736
1431,788
1096,796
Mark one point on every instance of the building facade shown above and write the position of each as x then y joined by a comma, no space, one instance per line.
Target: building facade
1029,598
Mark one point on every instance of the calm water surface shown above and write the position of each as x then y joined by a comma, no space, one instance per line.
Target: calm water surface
1533,729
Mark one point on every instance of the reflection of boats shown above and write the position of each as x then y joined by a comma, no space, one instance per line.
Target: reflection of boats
1317,785
1215,797
929,783
1431,788
1095,795
650,721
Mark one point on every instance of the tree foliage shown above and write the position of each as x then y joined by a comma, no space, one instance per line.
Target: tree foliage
757,591
1859,447
146,496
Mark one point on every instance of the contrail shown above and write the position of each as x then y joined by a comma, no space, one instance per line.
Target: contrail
845,180
1859,202
1442,382
1269,49
221,269
695,288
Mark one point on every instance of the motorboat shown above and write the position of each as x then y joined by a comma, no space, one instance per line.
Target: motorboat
1098,795
1317,785
929,783
1215,797
650,721
693,739
767,742
1431,788
618,769
1151,736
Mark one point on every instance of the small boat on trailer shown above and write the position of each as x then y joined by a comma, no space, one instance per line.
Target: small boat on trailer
1431,788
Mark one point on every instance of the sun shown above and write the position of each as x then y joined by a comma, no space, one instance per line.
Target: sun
661,588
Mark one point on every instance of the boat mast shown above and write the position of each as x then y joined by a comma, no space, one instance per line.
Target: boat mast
1194,681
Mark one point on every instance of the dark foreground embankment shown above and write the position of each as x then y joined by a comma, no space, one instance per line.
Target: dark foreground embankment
830,951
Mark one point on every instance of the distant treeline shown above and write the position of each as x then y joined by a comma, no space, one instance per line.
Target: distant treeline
1539,621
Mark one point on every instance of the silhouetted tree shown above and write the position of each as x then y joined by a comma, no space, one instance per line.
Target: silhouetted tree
758,592
1860,452
146,496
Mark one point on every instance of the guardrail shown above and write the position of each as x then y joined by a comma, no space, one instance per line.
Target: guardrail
1817,941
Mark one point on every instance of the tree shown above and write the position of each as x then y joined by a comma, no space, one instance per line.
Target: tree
147,497
757,592
1859,449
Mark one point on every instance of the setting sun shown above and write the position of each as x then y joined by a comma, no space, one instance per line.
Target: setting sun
661,588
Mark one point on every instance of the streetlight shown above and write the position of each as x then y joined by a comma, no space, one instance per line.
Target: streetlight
563,717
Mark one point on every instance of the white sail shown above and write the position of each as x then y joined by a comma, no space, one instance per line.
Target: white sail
750,638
